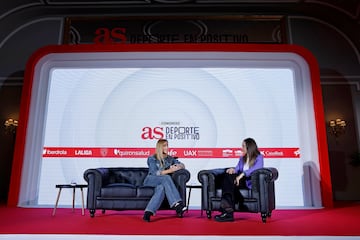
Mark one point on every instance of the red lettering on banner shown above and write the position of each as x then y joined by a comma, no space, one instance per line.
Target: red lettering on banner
158,133
119,34
191,153
107,36
149,133
102,36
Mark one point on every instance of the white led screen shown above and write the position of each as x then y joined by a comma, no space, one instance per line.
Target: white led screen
93,110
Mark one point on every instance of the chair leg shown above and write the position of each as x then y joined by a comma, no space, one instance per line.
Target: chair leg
208,214
92,213
263,217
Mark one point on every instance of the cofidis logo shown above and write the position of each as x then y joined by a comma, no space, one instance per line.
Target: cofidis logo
171,131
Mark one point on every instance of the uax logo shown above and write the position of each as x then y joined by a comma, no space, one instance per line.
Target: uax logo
192,153
152,133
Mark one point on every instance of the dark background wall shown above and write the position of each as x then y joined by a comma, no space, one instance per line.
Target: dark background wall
328,28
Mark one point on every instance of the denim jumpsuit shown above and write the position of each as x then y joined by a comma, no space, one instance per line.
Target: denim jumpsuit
164,185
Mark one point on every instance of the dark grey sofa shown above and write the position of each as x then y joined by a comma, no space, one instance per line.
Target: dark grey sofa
122,188
259,199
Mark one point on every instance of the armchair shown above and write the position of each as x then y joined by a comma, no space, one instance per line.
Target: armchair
260,198
122,188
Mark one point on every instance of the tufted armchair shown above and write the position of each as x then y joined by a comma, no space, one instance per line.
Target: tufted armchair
122,188
259,199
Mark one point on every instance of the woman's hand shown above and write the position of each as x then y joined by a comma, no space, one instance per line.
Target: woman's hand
230,170
237,179
176,167
173,168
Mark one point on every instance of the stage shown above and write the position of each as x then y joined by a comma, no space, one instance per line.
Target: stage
340,222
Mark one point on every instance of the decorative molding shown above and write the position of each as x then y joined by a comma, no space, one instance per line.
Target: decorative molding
179,29
12,9
134,2
26,24
351,83
96,2
341,33
11,81
334,80
350,8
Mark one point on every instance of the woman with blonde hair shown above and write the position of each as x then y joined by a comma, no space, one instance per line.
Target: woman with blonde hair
161,165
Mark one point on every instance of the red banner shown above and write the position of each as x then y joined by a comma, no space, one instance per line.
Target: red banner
88,152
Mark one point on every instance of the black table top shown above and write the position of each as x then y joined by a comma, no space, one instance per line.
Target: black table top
71,186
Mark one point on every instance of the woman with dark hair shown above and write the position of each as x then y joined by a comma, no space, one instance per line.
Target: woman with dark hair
239,177
160,166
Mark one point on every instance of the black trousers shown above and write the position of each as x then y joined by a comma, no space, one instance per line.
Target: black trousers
231,193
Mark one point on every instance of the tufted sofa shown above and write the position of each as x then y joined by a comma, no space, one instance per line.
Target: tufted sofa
122,188
259,199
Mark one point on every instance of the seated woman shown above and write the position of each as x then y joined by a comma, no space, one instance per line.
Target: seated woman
239,177
160,166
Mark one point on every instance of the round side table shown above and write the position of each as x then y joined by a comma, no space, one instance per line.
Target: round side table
73,187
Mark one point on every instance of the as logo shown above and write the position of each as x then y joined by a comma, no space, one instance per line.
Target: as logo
152,133
110,36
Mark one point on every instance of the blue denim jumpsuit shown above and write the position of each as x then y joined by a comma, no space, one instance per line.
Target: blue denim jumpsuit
164,185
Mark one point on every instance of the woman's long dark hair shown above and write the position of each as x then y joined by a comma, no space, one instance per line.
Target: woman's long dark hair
252,150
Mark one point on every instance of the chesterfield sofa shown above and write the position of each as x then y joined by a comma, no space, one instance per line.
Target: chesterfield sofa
122,188
259,199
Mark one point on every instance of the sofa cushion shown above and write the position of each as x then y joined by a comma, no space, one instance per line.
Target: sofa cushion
246,193
118,190
127,175
145,191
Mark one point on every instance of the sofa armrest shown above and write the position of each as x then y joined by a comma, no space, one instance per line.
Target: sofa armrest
207,178
263,188
180,178
95,179
261,176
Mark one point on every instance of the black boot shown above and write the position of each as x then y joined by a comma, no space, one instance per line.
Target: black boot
147,216
180,208
225,217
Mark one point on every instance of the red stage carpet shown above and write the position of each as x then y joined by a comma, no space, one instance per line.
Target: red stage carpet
339,221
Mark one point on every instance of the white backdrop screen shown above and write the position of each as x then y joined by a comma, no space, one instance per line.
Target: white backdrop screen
89,109
98,117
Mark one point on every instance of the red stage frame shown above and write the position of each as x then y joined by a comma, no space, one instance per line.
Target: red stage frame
325,181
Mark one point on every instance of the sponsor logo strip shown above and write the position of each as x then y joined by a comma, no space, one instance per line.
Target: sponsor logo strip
84,152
